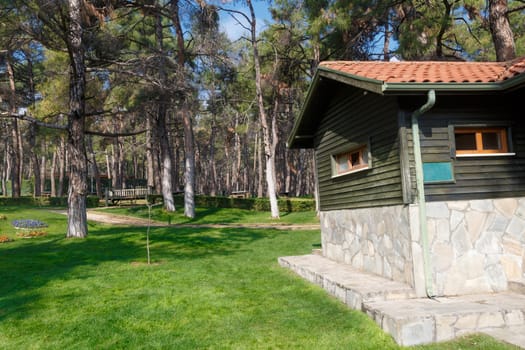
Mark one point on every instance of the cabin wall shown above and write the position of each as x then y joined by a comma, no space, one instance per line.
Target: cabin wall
353,117
480,177
476,223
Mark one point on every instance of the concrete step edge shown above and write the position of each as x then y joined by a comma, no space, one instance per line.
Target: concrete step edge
416,328
349,294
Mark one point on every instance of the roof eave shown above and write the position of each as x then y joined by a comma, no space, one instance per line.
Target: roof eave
290,143
496,86
368,84
514,82
361,82
392,88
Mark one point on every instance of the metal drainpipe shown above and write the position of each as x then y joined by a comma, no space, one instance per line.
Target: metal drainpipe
431,100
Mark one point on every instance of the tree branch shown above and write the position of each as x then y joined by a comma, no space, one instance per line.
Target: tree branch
64,127
109,134
33,120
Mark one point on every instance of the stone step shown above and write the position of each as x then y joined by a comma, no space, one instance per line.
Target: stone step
421,321
351,286
410,320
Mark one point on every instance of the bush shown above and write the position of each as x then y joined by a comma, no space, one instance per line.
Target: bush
91,202
19,201
257,204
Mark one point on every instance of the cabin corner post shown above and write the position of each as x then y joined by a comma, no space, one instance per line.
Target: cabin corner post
431,100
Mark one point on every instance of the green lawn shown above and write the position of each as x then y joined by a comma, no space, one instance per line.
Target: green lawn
216,216
207,289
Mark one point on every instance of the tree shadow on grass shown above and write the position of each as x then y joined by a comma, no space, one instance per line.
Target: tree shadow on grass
28,265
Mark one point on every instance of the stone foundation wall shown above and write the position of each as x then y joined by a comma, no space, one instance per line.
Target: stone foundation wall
376,240
476,246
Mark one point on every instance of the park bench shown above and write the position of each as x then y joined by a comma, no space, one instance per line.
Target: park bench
240,194
116,195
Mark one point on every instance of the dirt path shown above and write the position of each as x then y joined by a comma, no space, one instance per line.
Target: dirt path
133,221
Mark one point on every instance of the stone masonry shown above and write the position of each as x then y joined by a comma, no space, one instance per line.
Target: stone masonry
476,246
375,240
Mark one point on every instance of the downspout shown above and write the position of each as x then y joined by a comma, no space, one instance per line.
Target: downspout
431,100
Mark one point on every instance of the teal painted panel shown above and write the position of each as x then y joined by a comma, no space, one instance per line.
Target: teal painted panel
438,172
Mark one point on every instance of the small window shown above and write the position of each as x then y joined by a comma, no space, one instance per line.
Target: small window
481,140
351,161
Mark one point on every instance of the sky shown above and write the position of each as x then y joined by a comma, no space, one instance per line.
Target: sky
230,25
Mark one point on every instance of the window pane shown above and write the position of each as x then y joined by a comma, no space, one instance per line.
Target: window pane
466,141
491,140
342,163
355,158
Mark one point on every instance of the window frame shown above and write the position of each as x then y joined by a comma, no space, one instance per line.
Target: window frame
504,136
365,160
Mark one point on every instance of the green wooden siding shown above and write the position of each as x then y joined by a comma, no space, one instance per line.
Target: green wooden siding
350,119
476,177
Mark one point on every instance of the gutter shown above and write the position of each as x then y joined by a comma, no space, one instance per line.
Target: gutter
431,100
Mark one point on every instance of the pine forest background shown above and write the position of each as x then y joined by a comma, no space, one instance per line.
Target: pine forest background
115,93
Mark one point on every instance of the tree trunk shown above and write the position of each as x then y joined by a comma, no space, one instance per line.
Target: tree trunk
269,154
16,162
5,167
501,31
260,166
189,149
162,114
95,173
189,161
53,174
34,159
77,218
43,162
167,186
62,152
152,156
213,167
386,41
35,162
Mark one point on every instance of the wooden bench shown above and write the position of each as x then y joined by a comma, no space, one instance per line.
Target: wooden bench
116,195
240,194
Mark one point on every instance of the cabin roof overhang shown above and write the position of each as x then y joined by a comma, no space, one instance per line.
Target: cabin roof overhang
303,132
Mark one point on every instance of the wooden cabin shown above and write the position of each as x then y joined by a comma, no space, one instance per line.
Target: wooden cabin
421,170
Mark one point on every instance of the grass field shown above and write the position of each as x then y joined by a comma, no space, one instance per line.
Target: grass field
206,289
216,216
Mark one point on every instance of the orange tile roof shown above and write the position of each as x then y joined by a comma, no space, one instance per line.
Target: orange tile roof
430,71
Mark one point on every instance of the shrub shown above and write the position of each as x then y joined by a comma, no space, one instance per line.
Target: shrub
257,204
91,201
